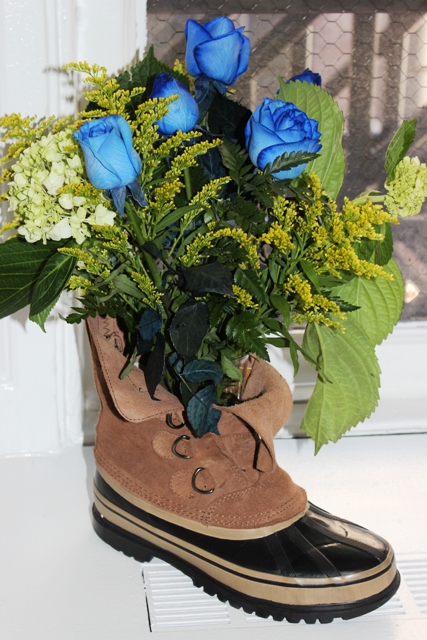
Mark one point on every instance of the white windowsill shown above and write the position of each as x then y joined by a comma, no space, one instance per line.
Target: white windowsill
60,581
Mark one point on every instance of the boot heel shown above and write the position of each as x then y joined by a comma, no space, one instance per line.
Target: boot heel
119,539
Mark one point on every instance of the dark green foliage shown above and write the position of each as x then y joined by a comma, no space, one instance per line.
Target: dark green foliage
21,265
51,282
149,324
290,160
202,370
155,365
188,328
228,118
202,415
212,277
143,73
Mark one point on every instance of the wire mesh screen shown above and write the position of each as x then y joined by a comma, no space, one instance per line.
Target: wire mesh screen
372,56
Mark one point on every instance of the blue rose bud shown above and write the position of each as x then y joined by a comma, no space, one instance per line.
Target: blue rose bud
278,127
307,76
110,159
183,113
216,50
111,162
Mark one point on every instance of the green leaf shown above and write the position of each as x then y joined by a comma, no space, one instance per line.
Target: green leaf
311,274
248,279
280,343
202,370
155,365
202,416
399,146
320,106
40,318
227,117
349,362
21,264
380,302
149,324
343,305
142,74
230,369
188,328
51,282
125,285
289,161
129,366
174,216
234,158
213,277
378,251
282,305
365,248
384,249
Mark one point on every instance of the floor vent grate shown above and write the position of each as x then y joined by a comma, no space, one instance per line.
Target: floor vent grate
174,603
413,568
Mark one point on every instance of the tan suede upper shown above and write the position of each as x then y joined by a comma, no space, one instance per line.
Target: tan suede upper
143,454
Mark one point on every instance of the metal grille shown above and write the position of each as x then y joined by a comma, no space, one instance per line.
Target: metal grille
372,56
175,604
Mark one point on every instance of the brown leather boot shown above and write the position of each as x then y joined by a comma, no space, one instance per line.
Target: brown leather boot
219,508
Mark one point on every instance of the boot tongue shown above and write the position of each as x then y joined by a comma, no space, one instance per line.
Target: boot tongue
266,406
130,395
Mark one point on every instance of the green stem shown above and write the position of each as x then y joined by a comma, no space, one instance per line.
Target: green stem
188,189
364,199
157,278
135,224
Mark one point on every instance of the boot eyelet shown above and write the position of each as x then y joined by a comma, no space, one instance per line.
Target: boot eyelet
171,424
174,446
193,482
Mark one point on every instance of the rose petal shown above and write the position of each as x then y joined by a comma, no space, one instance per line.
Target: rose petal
220,26
195,34
183,113
219,59
260,139
244,55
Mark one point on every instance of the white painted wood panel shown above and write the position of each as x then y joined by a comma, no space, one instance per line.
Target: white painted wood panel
41,395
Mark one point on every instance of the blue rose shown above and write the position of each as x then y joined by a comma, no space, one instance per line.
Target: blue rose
307,76
110,159
111,162
216,50
278,127
183,113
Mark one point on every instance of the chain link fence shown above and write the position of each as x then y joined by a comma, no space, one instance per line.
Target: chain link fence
372,56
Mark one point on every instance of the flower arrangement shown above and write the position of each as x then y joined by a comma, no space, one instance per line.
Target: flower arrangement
208,230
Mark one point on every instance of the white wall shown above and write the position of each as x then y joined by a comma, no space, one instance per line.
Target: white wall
41,399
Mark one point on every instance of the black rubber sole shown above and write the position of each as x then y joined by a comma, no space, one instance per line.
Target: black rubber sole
143,551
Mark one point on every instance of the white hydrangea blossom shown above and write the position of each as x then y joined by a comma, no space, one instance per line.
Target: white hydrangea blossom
44,214
408,189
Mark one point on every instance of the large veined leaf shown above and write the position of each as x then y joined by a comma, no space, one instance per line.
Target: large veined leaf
380,302
51,282
188,328
320,106
21,264
350,365
40,318
213,277
202,415
202,370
